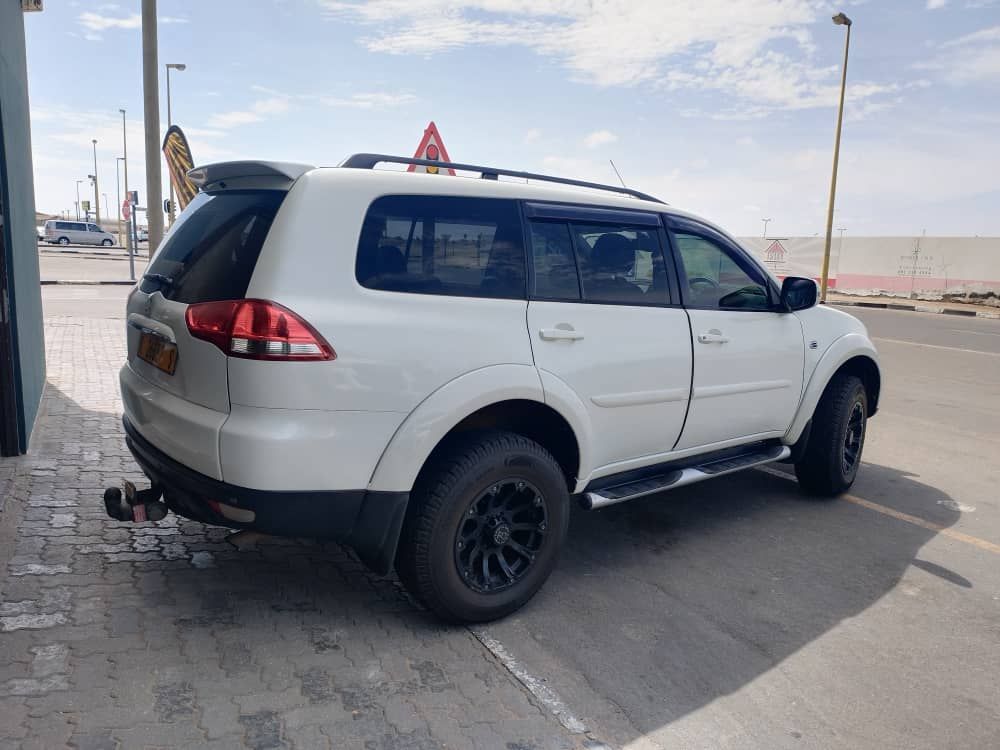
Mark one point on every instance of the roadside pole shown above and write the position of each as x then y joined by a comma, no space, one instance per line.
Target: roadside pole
151,112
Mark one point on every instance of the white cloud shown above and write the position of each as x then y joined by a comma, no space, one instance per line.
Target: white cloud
257,112
370,100
973,58
599,138
97,22
936,4
759,53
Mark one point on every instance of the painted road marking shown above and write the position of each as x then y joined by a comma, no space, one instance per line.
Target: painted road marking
935,346
974,333
885,511
542,692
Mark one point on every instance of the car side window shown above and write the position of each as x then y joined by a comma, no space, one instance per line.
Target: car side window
620,264
553,262
712,278
468,247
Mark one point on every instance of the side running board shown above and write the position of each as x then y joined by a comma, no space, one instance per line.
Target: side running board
678,477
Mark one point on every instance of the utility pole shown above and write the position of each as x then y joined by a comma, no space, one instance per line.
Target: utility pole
78,199
151,116
97,193
128,241
840,20
181,67
118,198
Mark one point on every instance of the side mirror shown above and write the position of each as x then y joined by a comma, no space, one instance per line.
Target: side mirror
798,293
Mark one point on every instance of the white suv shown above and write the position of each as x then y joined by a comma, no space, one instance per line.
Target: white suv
432,381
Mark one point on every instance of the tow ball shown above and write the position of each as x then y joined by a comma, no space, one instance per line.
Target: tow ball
134,505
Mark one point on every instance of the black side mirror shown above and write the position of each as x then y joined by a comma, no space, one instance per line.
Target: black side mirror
798,293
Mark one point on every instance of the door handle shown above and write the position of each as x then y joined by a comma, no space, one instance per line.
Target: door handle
714,336
559,333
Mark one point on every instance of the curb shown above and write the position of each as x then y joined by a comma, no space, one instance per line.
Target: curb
919,308
86,282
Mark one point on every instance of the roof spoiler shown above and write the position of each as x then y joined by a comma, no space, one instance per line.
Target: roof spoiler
275,175
368,161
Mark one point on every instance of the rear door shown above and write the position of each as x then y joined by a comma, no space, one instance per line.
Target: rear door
604,321
748,355
209,255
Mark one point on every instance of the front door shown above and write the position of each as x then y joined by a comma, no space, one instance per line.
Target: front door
602,322
748,356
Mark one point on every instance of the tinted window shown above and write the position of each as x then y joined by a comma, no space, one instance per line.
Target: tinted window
620,264
714,279
94,228
63,225
470,247
213,246
553,262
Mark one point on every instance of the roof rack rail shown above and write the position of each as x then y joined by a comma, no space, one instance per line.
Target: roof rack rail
368,161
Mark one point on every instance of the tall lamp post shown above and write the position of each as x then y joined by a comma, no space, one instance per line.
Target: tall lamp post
78,199
118,197
151,123
178,67
840,20
766,222
97,194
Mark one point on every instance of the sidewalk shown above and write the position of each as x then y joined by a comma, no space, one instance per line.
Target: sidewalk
902,303
165,635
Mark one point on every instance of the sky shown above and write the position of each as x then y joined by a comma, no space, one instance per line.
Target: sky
726,108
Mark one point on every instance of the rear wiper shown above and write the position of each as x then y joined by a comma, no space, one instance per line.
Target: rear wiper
164,281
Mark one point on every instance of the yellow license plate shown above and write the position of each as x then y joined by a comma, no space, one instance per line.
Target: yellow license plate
159,352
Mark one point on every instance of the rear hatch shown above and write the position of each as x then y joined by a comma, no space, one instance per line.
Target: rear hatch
209,255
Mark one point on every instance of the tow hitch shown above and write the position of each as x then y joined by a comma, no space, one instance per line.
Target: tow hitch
136,505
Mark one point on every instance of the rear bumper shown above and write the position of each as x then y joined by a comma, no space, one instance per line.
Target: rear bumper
368,521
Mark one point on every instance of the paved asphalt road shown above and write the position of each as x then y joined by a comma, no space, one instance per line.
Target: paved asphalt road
739,614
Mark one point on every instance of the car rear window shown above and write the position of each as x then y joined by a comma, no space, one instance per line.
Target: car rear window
213,247
425,244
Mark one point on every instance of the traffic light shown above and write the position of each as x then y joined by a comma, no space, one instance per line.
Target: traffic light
135,197
166,206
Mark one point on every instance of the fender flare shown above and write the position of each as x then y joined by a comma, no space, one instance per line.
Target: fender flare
840,351
439,413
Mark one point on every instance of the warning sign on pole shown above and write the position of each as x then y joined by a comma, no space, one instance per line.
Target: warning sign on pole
431,147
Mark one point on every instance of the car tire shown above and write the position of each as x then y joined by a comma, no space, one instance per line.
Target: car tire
483,496
64,240
832,457
107,243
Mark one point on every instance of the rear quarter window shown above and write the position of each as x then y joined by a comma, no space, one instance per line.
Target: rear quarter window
213,247
467,247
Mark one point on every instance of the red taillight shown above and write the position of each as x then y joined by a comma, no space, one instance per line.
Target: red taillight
257,329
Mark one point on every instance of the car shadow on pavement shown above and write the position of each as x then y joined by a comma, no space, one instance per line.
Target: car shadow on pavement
662,605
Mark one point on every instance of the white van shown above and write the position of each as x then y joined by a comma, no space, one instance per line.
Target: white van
58,232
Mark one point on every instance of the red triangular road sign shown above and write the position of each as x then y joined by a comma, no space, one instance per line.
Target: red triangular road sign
431,147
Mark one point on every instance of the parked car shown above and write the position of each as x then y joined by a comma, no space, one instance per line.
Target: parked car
434,381
62,232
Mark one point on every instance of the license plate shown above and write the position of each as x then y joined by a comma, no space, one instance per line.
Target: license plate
159,352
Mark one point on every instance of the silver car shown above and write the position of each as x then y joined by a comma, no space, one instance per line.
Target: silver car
76,233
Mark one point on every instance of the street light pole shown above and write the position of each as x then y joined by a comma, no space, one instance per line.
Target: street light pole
179,67
78,199
766,221
840,20
151,118
128,195
118,197
97,193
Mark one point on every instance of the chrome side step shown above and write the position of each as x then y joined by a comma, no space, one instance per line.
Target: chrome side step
680,477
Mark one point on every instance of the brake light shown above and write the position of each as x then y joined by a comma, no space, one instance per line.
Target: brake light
257,329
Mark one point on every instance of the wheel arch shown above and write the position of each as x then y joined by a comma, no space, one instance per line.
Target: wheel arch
507,397
853,354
